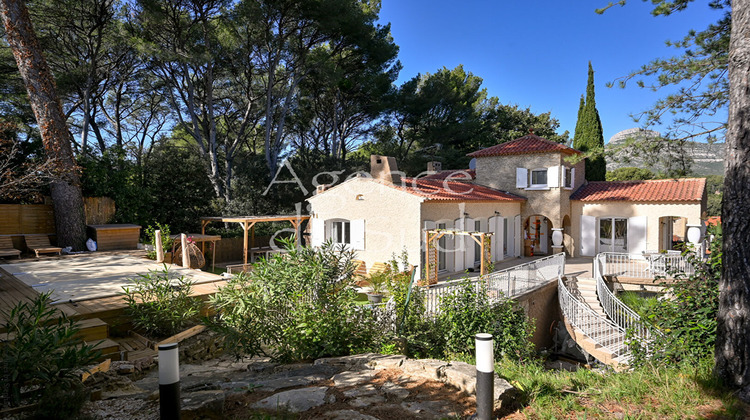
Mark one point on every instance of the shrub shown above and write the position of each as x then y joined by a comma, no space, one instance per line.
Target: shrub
686,320
160,305
469,311
41,348
295,306
166,241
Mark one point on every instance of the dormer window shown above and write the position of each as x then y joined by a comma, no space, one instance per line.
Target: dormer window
538,178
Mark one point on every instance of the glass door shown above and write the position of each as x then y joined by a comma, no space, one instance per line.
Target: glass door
613,235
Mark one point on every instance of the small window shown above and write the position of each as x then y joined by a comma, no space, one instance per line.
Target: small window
568,178
539,178
341,232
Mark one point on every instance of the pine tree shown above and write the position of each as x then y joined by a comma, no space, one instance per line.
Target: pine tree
589,136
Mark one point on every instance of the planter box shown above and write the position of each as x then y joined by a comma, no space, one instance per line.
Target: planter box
112,237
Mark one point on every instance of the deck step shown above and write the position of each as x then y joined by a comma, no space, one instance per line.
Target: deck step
109,348
92,329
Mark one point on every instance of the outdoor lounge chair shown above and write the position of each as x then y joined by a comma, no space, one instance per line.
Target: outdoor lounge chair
6,247
40,243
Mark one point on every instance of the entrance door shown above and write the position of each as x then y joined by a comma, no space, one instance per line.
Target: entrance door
613,234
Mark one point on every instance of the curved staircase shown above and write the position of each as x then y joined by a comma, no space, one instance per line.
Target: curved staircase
596,319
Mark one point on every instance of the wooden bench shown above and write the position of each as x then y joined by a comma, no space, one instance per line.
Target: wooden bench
40,243
7,249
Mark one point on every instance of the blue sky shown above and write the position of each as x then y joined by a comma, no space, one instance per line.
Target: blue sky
535,53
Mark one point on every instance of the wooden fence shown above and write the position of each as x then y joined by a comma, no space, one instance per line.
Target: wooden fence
25,219
230,249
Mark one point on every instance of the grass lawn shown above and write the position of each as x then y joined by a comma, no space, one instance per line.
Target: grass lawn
687,391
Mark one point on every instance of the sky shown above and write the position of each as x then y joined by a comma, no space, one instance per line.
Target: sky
535,53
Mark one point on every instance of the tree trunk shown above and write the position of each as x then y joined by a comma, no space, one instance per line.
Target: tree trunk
733,340
70,222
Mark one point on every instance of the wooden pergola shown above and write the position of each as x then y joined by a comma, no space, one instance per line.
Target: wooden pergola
483,239
248,225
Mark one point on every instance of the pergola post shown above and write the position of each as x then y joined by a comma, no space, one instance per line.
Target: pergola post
483,239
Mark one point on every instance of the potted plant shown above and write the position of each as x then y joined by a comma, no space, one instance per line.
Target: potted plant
378,283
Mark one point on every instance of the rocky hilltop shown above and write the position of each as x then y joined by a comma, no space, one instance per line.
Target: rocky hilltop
708,159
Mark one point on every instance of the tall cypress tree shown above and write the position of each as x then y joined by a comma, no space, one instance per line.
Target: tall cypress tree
589,136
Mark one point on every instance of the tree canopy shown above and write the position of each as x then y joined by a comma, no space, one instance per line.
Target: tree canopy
589,135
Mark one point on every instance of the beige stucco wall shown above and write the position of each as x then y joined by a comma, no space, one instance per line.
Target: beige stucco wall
542,307
691,211
392,217
448,212
500,172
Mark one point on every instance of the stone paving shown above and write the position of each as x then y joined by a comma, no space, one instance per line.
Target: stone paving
366,386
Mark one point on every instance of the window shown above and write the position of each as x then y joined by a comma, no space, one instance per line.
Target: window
568,178
341,232
539,178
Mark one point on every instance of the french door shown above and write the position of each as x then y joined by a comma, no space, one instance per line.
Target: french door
613,234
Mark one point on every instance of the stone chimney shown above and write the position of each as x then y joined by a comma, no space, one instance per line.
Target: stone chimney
385,168
434,166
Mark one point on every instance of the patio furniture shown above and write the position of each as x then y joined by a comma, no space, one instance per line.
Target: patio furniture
7,249
40,244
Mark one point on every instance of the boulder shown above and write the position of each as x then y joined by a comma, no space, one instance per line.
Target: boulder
296,400
202,405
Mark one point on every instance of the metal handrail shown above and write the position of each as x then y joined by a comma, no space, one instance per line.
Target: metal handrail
506,283
598,328
618,312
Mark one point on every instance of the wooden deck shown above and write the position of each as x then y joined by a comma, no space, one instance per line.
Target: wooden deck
108,308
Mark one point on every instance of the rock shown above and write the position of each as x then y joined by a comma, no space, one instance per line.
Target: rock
428,409
288,382
346,415
296,400
368,389
366,400
202,405
95,395
388,362
505,393
351,378
424,368
461,375
357,361
392,390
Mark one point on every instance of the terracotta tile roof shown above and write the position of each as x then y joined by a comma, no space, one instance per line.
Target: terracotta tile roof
442,190
658,190
525,145
458,175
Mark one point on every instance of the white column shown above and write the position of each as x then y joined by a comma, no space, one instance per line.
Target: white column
185,257
159,247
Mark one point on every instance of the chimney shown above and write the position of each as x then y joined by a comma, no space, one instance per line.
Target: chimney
434,166
385,168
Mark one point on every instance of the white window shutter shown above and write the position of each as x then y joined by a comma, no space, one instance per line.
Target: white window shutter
637,234
492,228
357,231
588,236
573,178
317,232
522,177
517,235
468,243
553,177
499,238
459,248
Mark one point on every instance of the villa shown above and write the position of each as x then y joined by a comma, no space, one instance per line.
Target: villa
530,193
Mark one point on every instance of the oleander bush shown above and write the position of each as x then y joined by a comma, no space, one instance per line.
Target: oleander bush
160,304
42,351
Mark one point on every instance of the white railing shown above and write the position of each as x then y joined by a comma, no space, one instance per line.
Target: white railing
598,328
617,311
648,266
509,282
